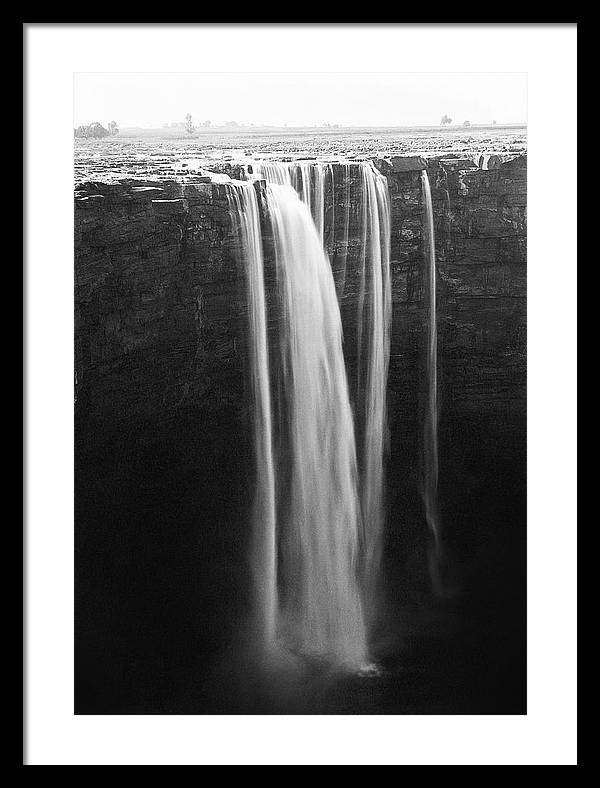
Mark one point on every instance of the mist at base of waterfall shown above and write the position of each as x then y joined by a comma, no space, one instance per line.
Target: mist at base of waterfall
430,658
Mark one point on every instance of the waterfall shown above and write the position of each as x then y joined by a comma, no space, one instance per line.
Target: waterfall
431,469
307,178
345,231
373,328
319,507
306,513
374,316
243,206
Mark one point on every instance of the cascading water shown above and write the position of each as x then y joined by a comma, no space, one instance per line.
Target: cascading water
431,470
373,322
374,316
342,244
319,509
243,205
307,178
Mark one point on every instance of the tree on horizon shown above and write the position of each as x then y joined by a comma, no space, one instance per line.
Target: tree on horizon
94,131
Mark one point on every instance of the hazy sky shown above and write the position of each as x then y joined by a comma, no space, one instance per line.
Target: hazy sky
149,100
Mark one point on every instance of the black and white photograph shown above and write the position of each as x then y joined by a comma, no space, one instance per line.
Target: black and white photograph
301,408
300,356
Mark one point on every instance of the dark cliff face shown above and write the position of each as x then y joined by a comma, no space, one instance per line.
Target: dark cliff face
163,451
156,301
159,294
480,239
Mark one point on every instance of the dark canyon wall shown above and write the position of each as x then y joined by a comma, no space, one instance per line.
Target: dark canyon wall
159,294
163,455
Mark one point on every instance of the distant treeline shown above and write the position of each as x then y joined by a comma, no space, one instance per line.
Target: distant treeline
97,130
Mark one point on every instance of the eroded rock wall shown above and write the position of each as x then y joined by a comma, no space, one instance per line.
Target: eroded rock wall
157,301
163,447
480,239
159,294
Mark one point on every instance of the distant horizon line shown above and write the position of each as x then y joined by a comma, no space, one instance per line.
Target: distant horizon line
172,125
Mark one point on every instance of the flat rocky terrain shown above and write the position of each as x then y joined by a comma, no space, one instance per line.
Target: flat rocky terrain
154,156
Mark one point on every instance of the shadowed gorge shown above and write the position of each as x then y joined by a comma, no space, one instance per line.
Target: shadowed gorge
250,341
